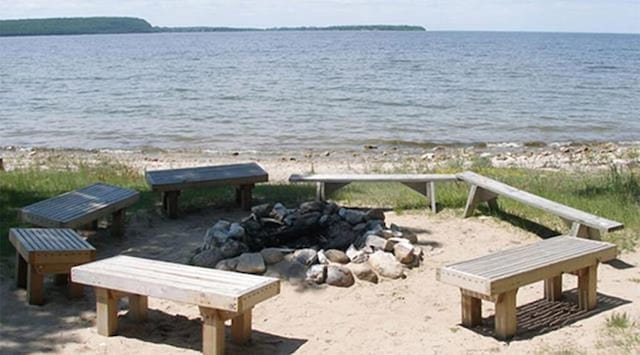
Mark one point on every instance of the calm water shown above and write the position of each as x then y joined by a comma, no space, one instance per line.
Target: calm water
298,90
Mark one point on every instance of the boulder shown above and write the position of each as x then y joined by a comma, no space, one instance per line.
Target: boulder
322,259
356,256
360,228
340,235
363,271
305,256
338,275
279,211
337,256
232,248
386,265
375,214
290,270
330,208
262,210
236,231
207,258
317,274
375,242
251,263
312,206
352,216
390,243
272,255
227,264
404,253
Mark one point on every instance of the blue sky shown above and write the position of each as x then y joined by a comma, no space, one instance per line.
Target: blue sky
498,15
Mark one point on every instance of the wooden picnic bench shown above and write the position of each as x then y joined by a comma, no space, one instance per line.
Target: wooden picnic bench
496,277
82,207
220,295
170,182
48,251
583,224
328,183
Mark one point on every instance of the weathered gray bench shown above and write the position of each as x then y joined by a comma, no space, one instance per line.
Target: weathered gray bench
170,182
220,295
82,207
497,277
422,183
583,224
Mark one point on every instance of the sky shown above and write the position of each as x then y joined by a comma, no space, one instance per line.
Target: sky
618,16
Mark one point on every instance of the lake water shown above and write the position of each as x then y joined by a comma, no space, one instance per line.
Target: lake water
270,91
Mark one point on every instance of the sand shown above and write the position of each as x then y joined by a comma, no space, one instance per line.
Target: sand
414,315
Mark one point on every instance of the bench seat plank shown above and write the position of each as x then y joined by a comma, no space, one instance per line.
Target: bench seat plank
563,211
206,176
211,288
348,178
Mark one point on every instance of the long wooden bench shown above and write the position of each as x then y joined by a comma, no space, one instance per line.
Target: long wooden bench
220,295
328,183
171,181
497,277
82,207
582,224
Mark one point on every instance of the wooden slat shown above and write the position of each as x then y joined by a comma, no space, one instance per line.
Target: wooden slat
49,239
348,178
206,176
204,287
562,211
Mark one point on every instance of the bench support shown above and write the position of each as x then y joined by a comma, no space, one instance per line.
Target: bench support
170,203
582,231
427,189
212,331
471,310
553,288
106,311
138,306
21,271
243,196
118,222
241,328
35,284
478,195
506,314
324,189
587,287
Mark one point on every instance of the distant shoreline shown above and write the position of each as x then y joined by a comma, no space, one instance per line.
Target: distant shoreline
122,25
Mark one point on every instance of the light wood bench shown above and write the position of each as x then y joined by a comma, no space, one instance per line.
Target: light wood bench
170,182
583,224
220,295
82,207
48,251
328,183
496,277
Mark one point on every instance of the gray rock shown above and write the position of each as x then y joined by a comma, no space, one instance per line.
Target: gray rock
356,256
340,235
404,253
305,256
317,274
375,225
337,256
251,263
322,259
386,265
262,210
375,242
207,258
340,276
236,231
279,211
290,270
330,208
390,233
312,206
272,255
227,264
364,272
232,248
360,228
391,242
375,214
352,216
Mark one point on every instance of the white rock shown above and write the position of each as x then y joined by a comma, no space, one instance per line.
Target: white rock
356,256
363,271
317,273
404,253
340,276
385,264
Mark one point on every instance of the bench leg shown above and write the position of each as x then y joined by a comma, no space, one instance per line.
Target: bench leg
21,271
212,331
35,285
553,288
324,189
138,306
245,196
431,191
170,203
241,328
587,287
582,231
506,314
471,310
106,311
478,195
118,222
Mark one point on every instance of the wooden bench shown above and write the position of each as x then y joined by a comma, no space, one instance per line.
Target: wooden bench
48,251
497,277
328,183
583,224
220,295
171,182
82,207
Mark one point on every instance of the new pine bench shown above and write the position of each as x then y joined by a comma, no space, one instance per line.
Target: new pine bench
583,224
82,207
170,182
422,183
496,277
220,295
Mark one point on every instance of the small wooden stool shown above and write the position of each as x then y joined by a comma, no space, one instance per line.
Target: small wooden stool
48,251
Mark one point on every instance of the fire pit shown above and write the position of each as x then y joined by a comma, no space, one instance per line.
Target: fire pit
318,242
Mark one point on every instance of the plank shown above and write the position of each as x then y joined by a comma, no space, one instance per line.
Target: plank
206,176
349,178
562,211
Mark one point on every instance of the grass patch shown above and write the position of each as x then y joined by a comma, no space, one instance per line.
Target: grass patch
621,334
